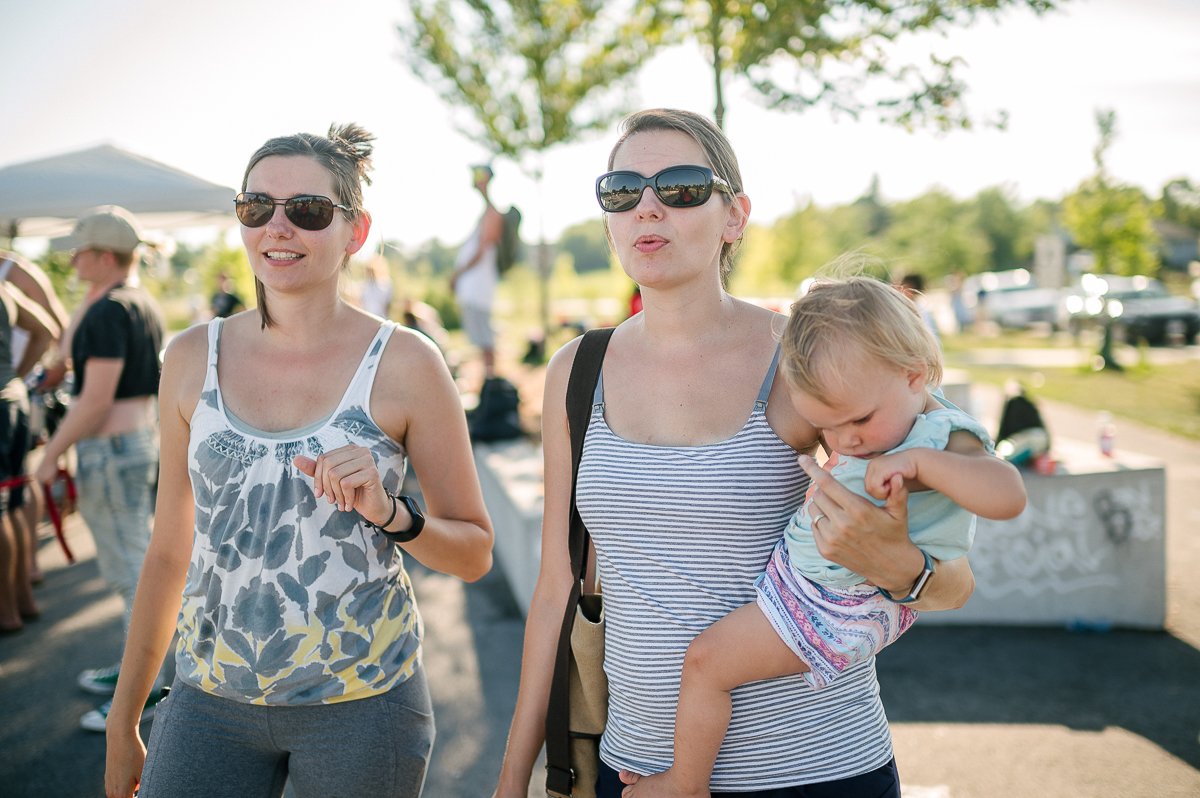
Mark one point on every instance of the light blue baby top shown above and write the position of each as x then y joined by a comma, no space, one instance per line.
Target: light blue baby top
938,526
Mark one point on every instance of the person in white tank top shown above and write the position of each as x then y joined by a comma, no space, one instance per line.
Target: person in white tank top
680,380
279,539
475,275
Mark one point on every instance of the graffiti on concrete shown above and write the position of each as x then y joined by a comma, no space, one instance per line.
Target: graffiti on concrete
1076,534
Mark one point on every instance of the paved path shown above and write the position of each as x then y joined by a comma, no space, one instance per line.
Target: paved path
473,654
976,711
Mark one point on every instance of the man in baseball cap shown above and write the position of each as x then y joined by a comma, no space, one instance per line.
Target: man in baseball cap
114,350
109,228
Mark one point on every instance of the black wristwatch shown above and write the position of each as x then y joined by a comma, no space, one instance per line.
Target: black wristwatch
406,535
918,586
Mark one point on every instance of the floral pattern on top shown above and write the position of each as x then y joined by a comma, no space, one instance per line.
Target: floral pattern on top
289,601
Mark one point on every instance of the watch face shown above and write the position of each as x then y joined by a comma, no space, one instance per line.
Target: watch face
920,585
418,522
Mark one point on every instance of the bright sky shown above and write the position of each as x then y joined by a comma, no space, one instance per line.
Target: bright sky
200,86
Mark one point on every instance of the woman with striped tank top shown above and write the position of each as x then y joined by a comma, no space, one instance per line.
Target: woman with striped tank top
277,552
688,479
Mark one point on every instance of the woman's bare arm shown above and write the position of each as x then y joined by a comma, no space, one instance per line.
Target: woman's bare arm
527,732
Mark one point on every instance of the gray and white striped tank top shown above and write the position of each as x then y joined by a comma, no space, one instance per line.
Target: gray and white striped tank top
681,533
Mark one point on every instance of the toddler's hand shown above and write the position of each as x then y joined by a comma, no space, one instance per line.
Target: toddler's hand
881,470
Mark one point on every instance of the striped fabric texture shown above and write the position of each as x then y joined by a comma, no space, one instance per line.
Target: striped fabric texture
681,534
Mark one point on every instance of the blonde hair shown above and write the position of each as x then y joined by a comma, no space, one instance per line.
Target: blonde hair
712,141
844,318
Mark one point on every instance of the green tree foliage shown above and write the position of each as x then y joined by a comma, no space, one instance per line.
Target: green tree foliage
587,245
219,258
1181,203
1113,221
997,218
531,74
935,235
840,53
777,258
1036,219
57,265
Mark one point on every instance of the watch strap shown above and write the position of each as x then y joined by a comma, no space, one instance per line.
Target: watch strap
918,587
414,511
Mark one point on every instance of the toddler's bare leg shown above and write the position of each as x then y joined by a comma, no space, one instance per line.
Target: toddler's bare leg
741,647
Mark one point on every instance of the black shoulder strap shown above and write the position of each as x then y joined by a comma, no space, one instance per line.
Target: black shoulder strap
585,371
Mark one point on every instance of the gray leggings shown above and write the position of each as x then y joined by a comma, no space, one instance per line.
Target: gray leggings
210,747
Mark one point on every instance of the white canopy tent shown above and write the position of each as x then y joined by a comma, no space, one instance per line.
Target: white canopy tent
44,197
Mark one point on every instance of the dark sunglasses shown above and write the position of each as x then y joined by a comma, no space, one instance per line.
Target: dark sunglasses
676,187
306,211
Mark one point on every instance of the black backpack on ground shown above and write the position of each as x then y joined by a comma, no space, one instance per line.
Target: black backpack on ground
495,418
510,240
1019,414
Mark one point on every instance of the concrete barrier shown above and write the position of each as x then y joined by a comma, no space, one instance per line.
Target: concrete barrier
510,473
1089,551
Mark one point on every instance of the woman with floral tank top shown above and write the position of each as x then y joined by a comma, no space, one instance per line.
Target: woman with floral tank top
277,552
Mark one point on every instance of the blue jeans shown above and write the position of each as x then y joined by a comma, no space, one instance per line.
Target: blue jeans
115,476
883,782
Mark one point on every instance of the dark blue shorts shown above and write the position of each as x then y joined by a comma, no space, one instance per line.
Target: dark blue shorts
883,782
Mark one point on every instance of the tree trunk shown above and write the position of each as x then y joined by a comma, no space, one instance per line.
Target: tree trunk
543,261
714,35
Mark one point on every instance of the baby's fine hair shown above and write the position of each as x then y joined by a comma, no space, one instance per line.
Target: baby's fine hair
843,320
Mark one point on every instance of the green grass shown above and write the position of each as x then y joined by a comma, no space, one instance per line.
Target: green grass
1166,397
1163,396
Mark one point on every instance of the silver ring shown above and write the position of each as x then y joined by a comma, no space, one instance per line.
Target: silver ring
818,518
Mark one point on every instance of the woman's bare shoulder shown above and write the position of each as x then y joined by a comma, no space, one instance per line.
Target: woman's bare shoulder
188,345
408,349
781,413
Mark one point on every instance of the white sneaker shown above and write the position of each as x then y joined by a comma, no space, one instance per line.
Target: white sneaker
95,720
101,681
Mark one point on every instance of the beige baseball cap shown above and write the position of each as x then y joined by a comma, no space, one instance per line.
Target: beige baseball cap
108,227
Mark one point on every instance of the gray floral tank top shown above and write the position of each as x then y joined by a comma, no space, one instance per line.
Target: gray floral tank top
288,600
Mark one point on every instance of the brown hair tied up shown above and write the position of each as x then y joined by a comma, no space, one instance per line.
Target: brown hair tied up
345,153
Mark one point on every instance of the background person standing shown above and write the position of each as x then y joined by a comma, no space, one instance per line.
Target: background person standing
912,285
17,313
475,274
376,293
111,420
27,506
225,301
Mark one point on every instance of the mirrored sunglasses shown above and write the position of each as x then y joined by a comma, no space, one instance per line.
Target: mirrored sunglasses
676,186
306,211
